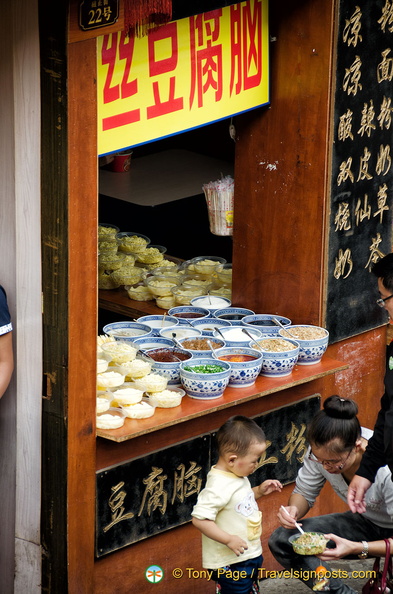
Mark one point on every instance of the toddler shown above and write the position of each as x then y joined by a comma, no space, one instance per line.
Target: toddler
226,511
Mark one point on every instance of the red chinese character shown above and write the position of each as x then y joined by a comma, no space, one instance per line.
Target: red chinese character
159,67
206,57
127,88
246,46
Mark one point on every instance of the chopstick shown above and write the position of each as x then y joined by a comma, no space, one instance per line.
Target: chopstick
296,524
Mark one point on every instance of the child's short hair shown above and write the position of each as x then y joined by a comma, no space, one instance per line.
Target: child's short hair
237,434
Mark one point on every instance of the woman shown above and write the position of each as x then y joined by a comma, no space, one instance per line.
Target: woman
337,444
6,353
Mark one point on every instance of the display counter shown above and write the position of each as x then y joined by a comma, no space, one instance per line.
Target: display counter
149,471
191,408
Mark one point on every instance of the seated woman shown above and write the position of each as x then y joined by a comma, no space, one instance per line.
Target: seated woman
337,444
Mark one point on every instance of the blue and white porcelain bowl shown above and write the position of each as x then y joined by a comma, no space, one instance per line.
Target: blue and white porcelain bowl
170,369
264,322
153,342
211,302
127,331
195,313
311,349
243,373
233,314
235,337
205,386
156,322
180,331
208,326
202,352
277,363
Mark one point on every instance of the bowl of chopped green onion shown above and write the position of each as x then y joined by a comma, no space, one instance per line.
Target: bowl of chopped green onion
204,378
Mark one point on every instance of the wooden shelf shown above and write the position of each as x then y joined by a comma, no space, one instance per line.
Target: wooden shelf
118,301
192,408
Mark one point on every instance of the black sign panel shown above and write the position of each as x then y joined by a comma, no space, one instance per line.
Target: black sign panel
148,495
360,229
98,13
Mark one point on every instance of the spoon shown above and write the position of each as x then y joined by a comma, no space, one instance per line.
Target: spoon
283,327
296,524
219,331
177,343
145,354
212,349
252,338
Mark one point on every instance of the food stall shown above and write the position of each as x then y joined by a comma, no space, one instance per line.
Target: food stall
125,494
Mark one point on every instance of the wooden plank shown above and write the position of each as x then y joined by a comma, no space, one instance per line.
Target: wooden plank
281,171
82,314
191,408
54,257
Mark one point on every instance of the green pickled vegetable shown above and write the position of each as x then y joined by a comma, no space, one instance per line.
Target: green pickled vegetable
205,368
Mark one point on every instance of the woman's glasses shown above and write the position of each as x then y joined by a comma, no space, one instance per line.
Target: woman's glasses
381,302
332,463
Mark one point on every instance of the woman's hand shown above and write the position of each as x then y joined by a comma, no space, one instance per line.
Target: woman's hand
287,520
343,548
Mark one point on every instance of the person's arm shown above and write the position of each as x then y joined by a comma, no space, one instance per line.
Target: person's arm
344,547
266,488
6,361
356,494
211,530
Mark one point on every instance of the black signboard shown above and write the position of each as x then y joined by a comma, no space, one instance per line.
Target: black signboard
97,13
360,229
145,496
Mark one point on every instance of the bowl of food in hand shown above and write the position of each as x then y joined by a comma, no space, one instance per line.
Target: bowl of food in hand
235,336
245,364
166,362
313,342
233,314
279,355
205,378
200,347
309,543
264,322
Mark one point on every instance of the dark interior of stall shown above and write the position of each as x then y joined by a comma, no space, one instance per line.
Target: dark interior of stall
181,224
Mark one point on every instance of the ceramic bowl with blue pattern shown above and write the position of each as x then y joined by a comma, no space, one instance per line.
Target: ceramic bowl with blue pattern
233,314
127,331
169,369
209,325
204,386
153,342
264,322
243,372
313,342
157,322
188,313
191,344
278,363
235,336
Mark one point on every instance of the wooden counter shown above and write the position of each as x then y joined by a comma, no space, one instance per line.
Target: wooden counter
191,408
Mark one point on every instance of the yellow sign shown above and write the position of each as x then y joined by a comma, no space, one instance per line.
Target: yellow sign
182,75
